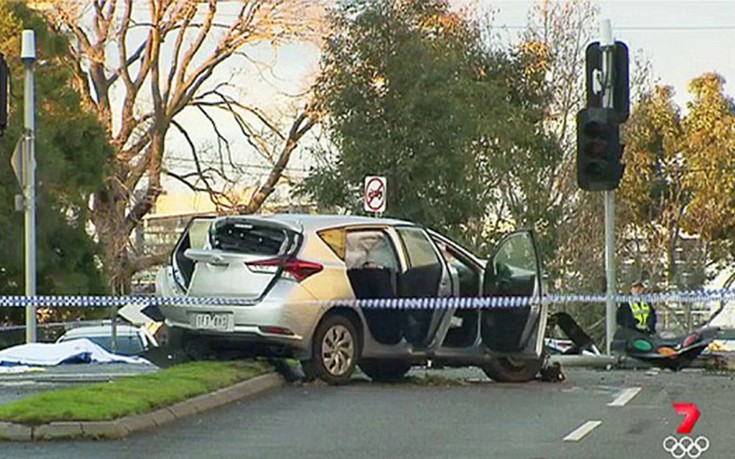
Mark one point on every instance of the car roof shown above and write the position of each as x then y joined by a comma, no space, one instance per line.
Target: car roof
102,330
310,222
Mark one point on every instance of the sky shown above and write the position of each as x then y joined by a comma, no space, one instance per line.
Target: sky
682,40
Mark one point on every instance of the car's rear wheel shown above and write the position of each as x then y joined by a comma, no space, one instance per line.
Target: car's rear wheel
336,350
384,370
507,369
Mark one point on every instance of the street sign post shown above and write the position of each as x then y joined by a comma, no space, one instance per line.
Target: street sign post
375,194
28,55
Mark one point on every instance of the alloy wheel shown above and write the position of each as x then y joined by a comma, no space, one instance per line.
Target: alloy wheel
338,350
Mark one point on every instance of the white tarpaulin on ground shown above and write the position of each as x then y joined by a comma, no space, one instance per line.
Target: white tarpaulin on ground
50,354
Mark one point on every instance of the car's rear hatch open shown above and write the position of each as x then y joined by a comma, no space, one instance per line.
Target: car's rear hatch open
243,257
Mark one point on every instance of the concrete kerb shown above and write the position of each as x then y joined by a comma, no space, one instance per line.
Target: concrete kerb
131,424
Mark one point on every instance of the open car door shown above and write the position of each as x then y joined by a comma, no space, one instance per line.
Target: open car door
514,270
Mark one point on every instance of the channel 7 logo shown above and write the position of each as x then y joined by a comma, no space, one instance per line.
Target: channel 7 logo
686,446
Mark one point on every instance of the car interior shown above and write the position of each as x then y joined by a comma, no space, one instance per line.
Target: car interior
467,276
243,237
422,279
372,268
373,271
184,267
512,273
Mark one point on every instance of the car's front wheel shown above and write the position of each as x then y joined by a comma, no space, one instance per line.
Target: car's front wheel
508,369
336,350
384,370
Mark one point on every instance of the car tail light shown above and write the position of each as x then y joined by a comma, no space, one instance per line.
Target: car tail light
295,268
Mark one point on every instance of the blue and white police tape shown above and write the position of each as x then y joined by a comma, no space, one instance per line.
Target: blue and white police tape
496,302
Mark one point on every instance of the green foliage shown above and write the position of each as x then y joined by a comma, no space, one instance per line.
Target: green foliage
678,194
394,92
652,194
411,93
709,148
653,137
71,153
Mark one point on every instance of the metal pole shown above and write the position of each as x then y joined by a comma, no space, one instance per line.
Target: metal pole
607,44
28,55
610,266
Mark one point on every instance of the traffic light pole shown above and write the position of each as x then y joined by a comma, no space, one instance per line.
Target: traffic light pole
607,43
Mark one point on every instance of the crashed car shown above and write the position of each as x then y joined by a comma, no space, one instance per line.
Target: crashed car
294,279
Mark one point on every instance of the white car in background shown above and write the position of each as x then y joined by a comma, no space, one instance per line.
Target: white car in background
293,279
129,340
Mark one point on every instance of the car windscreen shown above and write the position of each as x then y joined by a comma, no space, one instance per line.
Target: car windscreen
248,237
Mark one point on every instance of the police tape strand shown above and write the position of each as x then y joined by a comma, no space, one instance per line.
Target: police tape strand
492,302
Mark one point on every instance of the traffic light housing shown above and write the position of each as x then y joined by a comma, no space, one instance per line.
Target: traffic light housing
621,78
599,151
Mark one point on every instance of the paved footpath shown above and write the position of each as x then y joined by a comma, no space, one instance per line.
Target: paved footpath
593,414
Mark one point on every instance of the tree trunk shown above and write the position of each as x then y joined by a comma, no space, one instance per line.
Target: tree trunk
115,248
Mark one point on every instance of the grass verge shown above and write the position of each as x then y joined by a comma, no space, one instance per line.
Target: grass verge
130,395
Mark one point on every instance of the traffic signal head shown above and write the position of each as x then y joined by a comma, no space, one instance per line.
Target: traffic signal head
621,78
599,151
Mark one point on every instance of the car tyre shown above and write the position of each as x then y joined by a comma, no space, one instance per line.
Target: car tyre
506,369
336,350
385,370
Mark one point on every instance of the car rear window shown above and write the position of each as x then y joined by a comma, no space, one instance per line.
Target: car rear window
246,237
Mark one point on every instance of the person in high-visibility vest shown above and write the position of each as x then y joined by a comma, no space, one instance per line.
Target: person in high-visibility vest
637,315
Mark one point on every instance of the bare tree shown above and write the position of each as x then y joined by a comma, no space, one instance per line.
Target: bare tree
162,57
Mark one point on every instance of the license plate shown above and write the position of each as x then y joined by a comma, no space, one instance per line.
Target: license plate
212,321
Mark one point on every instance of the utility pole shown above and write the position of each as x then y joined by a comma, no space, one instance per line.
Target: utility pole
28,55
607,45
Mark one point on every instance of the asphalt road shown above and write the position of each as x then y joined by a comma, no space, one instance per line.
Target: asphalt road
470,418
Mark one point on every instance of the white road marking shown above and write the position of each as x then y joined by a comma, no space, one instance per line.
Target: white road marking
625,396
582,430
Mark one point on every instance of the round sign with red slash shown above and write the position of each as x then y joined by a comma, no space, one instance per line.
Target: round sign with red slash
375,193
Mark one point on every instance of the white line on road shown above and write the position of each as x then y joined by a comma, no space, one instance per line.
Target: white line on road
625,396
582,430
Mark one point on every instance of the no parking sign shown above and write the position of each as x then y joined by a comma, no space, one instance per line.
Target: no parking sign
375,194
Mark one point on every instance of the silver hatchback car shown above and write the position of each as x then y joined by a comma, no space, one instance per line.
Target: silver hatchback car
294,279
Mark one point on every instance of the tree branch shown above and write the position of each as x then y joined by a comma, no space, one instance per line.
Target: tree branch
303,123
